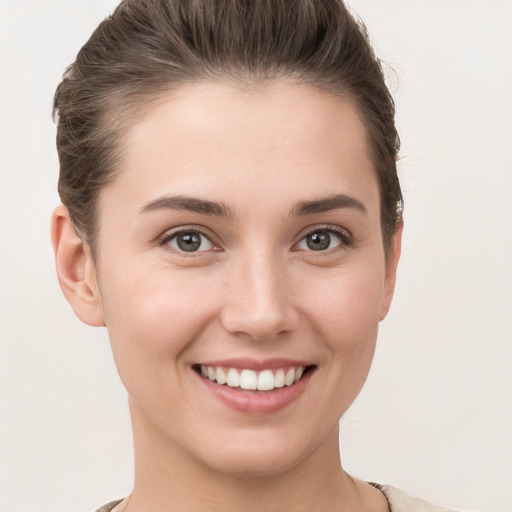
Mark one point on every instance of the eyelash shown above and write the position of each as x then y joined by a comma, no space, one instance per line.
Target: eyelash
168,237
343,235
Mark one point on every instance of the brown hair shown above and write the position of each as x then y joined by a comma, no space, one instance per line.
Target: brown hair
147,47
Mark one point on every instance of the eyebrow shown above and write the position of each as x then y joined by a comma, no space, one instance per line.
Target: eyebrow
205,207
327,204
189,204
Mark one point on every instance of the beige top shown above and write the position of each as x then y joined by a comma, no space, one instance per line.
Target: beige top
398,500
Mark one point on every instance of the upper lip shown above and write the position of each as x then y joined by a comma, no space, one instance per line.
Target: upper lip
257,364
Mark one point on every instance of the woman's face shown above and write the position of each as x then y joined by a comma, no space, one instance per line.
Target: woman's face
242,240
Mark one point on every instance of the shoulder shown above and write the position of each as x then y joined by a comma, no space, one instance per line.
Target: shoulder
399,501
109,506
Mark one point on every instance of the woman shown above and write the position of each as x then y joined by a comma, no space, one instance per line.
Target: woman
232,214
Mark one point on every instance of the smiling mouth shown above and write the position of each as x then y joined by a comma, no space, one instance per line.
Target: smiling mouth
251,380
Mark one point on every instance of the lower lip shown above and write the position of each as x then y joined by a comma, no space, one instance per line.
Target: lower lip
257,402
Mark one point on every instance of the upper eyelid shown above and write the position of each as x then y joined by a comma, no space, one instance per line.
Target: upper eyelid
338,230
172,232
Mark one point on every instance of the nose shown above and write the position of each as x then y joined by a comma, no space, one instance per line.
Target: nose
258,299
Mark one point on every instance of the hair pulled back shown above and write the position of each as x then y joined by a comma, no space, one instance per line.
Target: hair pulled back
148,47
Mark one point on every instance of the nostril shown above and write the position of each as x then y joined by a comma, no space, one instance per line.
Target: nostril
260,325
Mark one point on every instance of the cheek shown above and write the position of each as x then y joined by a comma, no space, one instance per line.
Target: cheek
345,316
347,308
152,317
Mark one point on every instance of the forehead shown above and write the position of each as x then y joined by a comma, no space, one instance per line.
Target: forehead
213,138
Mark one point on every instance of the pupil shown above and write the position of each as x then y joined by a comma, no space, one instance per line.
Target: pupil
318,241
189,242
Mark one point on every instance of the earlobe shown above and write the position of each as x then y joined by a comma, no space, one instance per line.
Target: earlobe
391,266
75,269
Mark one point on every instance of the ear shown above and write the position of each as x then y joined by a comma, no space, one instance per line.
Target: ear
391,265
75,269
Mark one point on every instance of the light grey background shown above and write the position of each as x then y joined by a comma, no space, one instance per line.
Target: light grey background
435,417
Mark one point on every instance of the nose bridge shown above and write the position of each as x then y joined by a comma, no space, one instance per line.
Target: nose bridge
258,301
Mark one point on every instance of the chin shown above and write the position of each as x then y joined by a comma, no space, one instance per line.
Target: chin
254,462
259,455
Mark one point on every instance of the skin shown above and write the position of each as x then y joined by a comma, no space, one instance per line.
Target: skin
255,290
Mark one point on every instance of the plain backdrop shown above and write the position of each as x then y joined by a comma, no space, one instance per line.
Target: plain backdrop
435,417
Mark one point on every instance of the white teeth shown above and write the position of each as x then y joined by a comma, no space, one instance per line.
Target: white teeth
248,380
266,380
289,377
222,378
279,379
233,380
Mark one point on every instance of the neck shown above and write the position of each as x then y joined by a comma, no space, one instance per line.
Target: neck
168,479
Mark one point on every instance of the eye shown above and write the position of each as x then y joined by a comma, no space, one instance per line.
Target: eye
323,240
189,241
